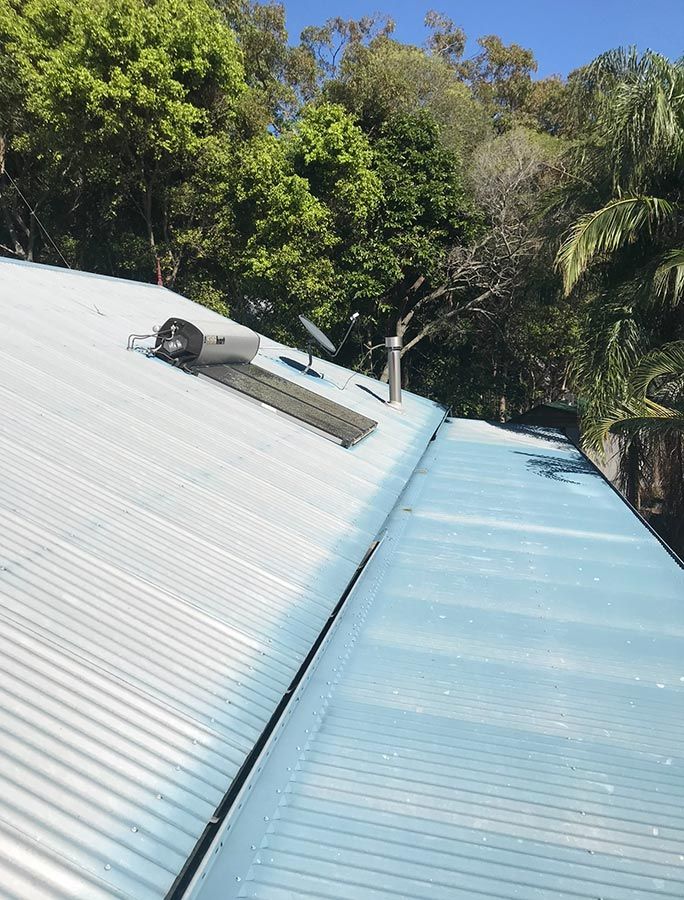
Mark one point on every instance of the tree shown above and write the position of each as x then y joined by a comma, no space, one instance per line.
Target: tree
653,399
329,43
285,238
119,99
280,76
335,157
387,79
635,236
625,258
447,40
481,277
385,212
647,423
294,206
641,136
546,107
424,212
501,77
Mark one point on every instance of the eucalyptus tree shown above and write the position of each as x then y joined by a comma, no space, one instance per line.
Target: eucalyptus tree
387,78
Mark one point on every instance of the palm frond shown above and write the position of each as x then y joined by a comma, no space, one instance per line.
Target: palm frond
606,230
652,399
600,76
665,362
632,423
630,418
638,110
669,277
610,346
645,125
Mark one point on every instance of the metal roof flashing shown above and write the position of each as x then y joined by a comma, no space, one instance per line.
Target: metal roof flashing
169,555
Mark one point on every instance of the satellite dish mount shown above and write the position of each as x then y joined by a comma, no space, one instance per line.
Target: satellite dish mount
318,337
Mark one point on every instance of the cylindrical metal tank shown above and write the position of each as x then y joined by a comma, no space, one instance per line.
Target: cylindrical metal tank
205,343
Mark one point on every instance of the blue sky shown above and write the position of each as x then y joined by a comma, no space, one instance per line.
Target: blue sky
564,34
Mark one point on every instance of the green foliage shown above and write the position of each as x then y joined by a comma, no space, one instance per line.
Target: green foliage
547,107
387,79
126,78
335,157
668,281
652,399
620,222
299,202
277,73
328,44
501,77
623,257
638,119
285,237
333,220
119,104
424,211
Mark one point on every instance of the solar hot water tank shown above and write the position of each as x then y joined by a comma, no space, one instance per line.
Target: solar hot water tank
223,353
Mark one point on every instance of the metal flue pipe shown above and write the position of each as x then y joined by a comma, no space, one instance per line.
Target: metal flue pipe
393,345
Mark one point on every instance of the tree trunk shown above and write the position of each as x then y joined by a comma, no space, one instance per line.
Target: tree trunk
31,237
17,247
150,230
633,482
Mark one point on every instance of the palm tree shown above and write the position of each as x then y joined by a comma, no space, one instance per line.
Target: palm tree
653,399
629,251
624,257
649,426
639,138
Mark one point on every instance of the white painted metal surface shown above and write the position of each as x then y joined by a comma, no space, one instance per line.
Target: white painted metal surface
168,553
499,711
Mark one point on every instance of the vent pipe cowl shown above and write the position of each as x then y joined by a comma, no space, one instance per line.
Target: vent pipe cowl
393,345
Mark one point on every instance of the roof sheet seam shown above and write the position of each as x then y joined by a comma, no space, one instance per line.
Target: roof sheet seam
359,602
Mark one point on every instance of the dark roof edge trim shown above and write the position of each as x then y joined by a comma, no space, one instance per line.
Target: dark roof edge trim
616,490
199,851
634,510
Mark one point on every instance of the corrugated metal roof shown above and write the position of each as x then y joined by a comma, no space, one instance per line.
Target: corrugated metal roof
499,710
168,554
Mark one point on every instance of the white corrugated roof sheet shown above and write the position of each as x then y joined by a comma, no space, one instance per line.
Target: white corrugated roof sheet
499,711
168,554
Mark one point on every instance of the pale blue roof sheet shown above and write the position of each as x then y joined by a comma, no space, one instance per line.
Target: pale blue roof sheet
498,712
168,554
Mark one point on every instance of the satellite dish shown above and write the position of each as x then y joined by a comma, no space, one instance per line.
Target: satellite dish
318,336
315,334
